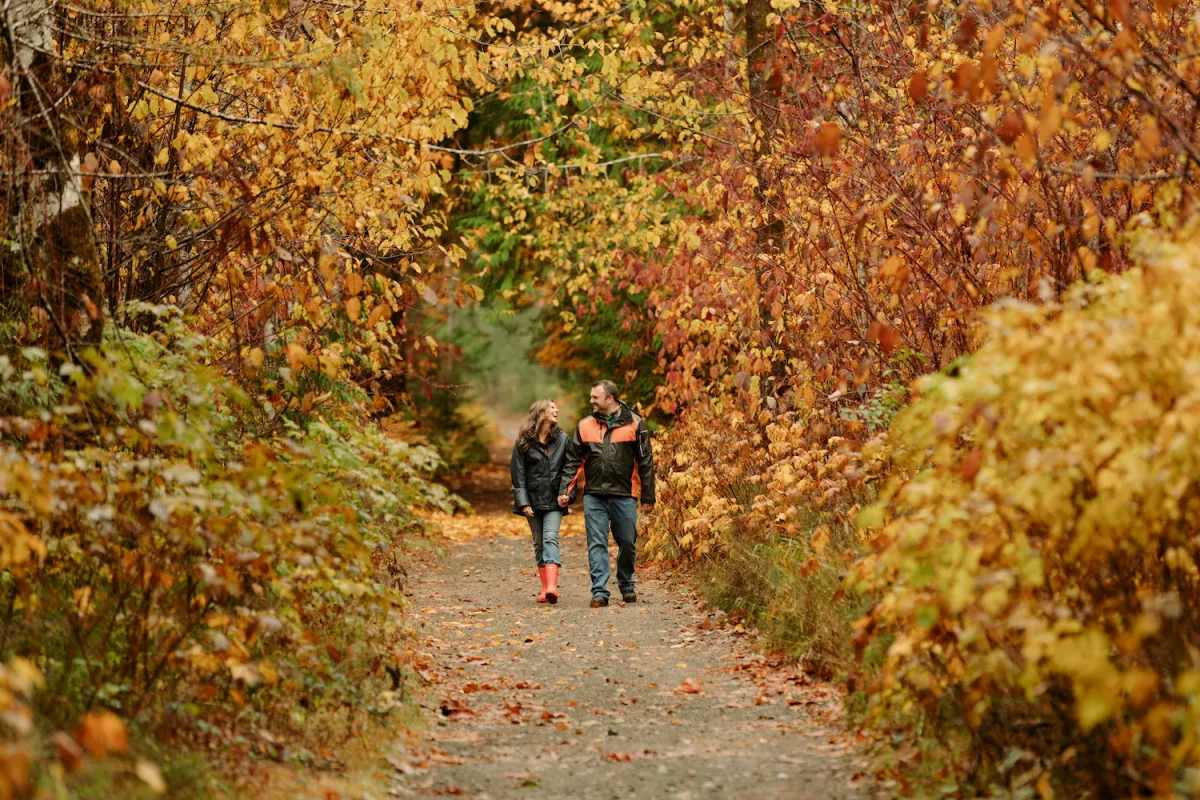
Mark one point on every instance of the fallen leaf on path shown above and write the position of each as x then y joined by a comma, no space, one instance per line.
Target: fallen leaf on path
450,707
442,757
689,686
471,688
628,756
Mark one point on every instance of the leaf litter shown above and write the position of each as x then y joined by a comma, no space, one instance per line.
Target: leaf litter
530,700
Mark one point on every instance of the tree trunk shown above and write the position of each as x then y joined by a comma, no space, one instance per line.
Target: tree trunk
764,75
52,254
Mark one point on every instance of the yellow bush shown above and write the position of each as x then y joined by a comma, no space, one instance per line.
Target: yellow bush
1035,552
764,503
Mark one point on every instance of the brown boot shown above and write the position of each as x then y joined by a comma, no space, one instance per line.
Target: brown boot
541,598
552,583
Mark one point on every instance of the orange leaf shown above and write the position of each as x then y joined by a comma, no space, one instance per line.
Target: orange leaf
102,733
918,87
889,338
1119,9
970,465
966,32
964,76
828,139
1010,127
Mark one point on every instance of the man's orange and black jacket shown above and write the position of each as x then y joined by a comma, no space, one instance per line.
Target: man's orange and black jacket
610,458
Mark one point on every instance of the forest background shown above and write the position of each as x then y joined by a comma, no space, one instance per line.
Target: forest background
908,289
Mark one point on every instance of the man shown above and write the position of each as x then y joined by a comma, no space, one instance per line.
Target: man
610,454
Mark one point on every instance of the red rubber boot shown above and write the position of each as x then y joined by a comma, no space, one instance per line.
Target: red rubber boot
551,583
541,598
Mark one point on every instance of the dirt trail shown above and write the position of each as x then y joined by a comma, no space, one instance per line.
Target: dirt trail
654,699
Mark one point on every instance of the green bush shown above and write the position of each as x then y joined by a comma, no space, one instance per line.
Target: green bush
197,560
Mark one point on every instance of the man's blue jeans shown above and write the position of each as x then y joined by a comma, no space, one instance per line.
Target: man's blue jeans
600,512
544,526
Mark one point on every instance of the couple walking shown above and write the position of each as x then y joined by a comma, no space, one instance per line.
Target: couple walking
609,458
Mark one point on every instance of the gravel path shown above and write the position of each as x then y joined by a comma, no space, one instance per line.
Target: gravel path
654,699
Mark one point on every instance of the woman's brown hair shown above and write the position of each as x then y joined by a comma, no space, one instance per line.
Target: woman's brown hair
528,432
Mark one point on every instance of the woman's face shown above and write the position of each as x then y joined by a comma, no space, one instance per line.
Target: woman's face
552,414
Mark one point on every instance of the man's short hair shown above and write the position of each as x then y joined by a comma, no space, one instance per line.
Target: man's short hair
609,388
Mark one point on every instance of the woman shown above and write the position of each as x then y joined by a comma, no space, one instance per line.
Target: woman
537,462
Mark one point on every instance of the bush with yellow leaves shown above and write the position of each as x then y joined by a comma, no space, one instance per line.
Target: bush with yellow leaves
765,504
1035,553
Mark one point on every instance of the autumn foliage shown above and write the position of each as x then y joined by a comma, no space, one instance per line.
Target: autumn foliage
1035,550
195,566
820,241
229,230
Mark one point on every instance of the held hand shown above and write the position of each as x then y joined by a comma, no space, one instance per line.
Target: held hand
527,511
647,508
563,500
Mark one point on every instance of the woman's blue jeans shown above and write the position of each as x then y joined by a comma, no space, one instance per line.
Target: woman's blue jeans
544,526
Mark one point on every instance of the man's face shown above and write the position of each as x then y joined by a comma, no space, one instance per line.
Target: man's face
599,400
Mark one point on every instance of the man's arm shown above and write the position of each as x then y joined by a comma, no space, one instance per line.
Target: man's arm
645,463
570,467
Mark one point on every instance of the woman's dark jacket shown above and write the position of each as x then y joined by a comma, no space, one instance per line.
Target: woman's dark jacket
536,473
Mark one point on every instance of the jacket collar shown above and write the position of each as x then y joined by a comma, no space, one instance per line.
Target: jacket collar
556,433
624,416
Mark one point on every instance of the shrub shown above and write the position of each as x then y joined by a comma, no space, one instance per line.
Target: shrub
764,504
180,554
1035,553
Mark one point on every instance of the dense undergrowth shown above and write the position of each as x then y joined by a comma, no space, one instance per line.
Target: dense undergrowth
1019,583
192,566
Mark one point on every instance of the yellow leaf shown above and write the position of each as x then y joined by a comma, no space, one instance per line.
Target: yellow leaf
327,266
1093,707
820,539
297,356
353,308
151,775
269,674
378,313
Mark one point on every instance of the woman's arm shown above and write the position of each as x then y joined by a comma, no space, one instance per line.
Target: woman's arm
517,470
